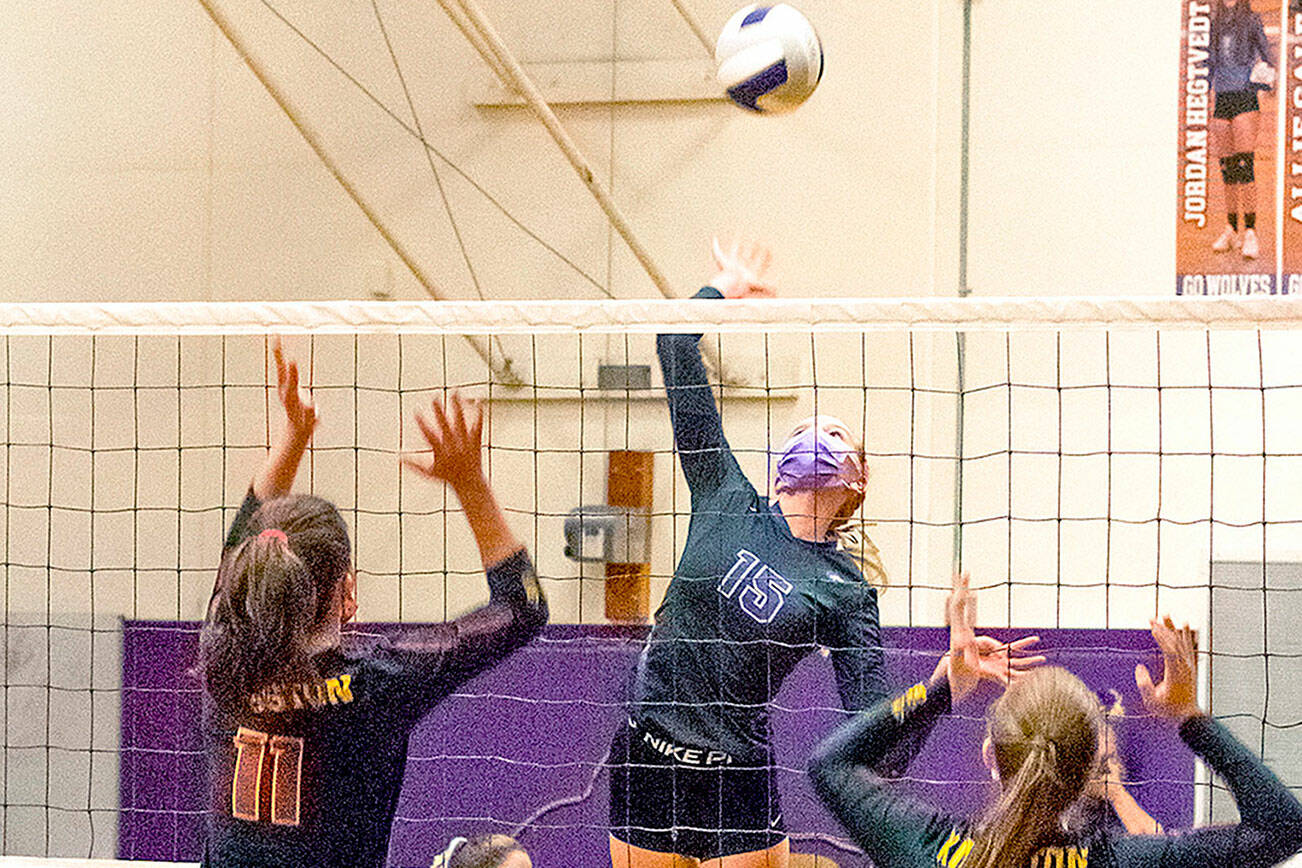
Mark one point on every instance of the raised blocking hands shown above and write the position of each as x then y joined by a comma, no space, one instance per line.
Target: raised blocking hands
1175,697
972,658
453,434
741,266
301,417
276,477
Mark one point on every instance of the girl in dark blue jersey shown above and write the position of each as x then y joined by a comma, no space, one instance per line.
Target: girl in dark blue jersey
1043,741
306,727
759,586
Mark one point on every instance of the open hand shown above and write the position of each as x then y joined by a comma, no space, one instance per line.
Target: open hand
300,413
453,434
1176,696
972,658
741,267
964,660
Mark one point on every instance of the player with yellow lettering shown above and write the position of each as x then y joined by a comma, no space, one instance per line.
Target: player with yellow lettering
1043,744
306,726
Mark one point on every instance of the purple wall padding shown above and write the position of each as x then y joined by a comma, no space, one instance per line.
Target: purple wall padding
533,731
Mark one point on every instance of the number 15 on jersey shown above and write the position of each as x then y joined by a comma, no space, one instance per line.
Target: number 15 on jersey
763,591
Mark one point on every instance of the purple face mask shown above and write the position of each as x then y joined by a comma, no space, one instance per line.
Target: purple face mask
813,459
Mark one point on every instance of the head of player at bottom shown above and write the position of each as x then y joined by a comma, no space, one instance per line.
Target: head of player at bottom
285,592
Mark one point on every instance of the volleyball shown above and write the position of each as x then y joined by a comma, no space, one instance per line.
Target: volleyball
768,58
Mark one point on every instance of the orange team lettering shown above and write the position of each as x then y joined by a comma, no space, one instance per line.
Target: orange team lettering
957,847
1061,857
308,694
340,689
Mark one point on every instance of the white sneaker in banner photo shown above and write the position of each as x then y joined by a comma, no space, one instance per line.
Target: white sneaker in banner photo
1227,240
1250,246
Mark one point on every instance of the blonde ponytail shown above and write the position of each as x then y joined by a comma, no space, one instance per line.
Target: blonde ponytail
1045,732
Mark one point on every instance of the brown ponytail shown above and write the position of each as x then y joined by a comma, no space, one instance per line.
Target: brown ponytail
1044,731
274,592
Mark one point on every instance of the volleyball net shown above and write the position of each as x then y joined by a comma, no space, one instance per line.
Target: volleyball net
1092,462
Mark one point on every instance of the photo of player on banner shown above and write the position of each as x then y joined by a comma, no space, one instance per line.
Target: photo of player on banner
1292,98
1228,214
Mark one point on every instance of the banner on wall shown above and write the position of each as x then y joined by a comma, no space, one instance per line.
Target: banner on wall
1239,211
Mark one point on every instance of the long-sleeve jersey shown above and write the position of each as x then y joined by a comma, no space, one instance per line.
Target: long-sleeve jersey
1234,51
748,600
897,831
309,773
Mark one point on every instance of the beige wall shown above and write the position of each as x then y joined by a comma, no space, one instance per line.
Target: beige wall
147,162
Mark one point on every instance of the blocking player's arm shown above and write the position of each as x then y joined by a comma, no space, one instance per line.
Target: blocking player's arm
438,659
698,429
1270,825
858,660
515,614
276,477
517,610
891,827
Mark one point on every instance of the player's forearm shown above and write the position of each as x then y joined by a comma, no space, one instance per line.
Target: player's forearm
1133,817
487,521
276,478
1263,801
843,769
857,746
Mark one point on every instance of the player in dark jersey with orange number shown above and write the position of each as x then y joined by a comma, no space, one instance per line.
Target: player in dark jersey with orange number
306,727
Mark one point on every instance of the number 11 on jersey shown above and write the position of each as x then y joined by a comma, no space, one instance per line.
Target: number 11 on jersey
251,749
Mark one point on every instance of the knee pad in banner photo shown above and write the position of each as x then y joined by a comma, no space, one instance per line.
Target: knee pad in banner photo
1247,170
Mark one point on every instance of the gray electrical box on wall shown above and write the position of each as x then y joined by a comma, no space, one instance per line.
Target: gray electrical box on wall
608,534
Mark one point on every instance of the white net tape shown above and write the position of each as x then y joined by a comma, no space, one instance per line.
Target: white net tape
650,316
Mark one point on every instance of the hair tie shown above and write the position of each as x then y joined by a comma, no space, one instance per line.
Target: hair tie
442,859
274,533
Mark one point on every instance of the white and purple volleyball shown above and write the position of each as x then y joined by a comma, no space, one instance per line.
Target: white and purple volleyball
769,58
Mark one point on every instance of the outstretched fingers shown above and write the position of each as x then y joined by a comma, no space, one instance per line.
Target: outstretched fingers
1175,696
278,353
452,431
1007,662
433,427
300,411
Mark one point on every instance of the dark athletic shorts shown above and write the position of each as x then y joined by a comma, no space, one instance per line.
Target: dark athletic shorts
1233,103
693,801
